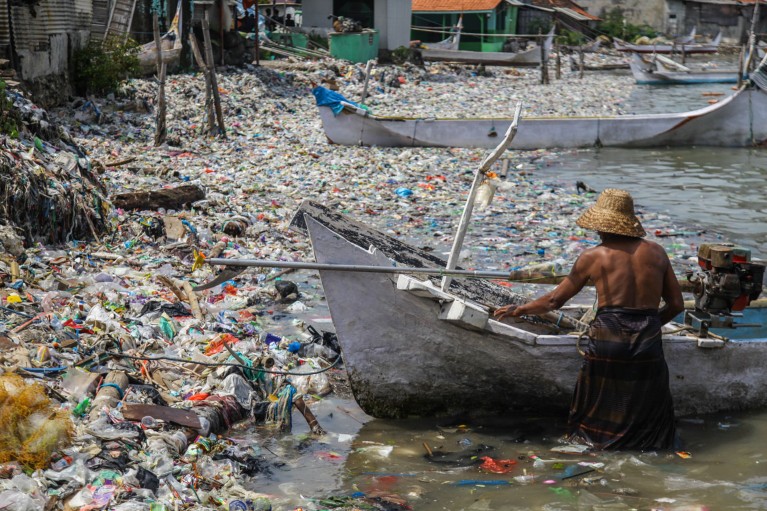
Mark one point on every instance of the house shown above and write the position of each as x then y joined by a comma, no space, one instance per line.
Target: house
390,18
496,20
433,19
730,17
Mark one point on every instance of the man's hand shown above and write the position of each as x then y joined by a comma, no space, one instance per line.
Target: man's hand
506,310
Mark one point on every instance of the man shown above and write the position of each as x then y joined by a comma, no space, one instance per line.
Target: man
622,398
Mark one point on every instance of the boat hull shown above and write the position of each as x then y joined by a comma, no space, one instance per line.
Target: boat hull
683,48
737,121
530,57
402,360
645,75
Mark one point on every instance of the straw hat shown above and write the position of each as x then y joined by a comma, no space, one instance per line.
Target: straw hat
613,213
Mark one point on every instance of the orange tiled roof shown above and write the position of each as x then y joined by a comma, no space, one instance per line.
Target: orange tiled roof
454,5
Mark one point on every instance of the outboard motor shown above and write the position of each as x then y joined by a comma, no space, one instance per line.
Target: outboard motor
726,283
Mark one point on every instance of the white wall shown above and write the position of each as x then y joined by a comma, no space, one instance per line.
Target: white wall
392,19
315,14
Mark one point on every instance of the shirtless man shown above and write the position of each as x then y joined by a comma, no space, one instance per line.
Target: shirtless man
622,397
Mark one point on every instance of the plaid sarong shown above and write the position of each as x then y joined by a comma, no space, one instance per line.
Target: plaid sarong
622,398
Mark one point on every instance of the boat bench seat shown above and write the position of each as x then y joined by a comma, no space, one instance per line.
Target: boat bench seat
453,309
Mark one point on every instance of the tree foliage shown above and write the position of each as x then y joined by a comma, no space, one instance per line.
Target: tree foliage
100,69
614,24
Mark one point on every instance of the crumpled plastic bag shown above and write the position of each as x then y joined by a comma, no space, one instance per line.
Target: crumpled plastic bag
237,386
14,500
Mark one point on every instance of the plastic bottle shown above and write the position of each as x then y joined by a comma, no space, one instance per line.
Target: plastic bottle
61,464
82,407
485,194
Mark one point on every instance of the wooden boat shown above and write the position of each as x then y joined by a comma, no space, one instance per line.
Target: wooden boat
530,57
655,72
411,349
170,44
688,49
740,120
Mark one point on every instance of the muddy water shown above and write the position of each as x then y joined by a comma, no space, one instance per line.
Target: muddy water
724,460
725,468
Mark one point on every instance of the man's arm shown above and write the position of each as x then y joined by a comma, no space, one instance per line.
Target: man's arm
555,299
671,294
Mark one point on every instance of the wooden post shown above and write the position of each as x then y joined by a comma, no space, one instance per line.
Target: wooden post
544,62
368,70
752,38
740,65
212,71
208,93
185,24
161,130
221,28
257,45
580,62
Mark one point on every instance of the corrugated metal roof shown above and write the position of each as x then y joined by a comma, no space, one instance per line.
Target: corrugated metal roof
455,6
5,26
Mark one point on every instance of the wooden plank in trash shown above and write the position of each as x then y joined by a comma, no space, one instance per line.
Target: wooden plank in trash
135,412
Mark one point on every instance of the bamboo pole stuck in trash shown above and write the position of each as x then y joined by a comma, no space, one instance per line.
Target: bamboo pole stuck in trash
211,119
161,130
212,72
544,62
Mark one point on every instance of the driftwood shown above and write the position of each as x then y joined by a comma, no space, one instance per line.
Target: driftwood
136,411
168,198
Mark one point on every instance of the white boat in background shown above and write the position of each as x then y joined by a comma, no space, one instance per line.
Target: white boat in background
691,48
444,52
654,71
170,44
739,120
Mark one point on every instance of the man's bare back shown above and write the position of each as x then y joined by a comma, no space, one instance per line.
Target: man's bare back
626,271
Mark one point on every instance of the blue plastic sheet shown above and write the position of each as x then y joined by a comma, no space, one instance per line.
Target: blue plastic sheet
331,99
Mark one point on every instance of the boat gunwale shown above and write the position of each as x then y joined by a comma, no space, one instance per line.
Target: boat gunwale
349,108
